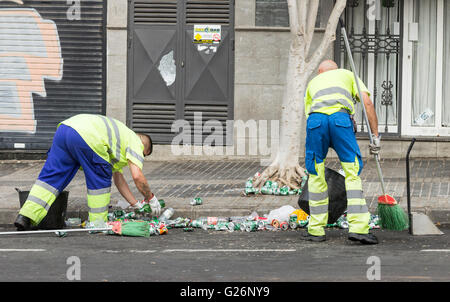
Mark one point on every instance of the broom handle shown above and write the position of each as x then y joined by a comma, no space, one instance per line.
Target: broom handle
352,63
53,231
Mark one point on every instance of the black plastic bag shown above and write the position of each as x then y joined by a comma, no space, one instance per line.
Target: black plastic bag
337,196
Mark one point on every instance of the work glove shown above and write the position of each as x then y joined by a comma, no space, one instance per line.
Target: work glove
138,205
375,146
155,206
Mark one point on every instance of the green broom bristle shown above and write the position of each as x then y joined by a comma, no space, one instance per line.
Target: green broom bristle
135,228
392,217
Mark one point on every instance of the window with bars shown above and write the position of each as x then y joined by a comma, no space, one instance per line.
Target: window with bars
274,13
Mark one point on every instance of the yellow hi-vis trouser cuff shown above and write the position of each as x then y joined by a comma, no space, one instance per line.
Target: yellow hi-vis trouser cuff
358,215
98,201
38,202
318,201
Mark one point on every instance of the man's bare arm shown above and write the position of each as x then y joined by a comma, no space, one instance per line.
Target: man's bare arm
371,113
140,181
123,188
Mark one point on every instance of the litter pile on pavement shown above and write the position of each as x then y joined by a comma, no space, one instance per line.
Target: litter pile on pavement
281,219
271,187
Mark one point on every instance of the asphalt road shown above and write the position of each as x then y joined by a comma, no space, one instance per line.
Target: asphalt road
219,256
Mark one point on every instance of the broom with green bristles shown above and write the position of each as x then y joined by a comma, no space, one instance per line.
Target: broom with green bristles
392,216
134,228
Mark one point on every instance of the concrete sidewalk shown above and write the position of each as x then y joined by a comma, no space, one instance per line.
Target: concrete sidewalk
220,183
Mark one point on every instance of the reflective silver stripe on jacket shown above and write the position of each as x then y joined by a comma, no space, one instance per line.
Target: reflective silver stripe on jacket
357,209
138,157
328,103
99,191
98,210
333,90
109,131
117,133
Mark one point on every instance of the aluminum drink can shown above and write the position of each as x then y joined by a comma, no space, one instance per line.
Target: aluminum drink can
118,214
252,226
284,226
231,226
249,191
293,218
293,192
197,223
111,217
74,221
261,224
208,226
153,230
284,191
342,223
221,226
293,225
267,190
275,223
196,201
212,220
249,183
302,223
129,215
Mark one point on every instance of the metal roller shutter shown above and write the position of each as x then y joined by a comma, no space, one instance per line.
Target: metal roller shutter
52,58
154,36
201,84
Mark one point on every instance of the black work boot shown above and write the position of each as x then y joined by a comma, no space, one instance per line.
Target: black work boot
308,237
363,238
22,223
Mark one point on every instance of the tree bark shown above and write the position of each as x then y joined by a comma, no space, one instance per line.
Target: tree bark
285,168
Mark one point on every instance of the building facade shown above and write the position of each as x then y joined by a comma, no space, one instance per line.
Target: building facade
213,72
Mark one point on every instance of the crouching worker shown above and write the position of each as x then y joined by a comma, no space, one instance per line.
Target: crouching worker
101,146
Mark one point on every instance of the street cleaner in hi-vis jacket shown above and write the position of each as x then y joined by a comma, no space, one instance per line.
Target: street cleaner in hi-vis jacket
101,146
330,100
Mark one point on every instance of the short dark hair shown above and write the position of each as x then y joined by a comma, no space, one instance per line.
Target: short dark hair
149,139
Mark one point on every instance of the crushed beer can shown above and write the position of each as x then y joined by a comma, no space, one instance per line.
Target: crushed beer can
251,226
196,201
196,223
249,183
303,223
342,222
284,190
267,190
293,224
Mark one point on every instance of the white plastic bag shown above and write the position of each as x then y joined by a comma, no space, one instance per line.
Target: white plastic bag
281,214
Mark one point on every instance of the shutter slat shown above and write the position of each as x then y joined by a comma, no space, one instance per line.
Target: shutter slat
155,12
210,12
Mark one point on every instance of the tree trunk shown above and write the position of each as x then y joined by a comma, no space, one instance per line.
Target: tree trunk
285,169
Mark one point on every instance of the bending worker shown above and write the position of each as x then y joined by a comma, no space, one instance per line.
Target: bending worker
329,104
101,146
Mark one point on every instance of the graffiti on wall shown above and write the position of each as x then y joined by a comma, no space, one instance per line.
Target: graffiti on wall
30,52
